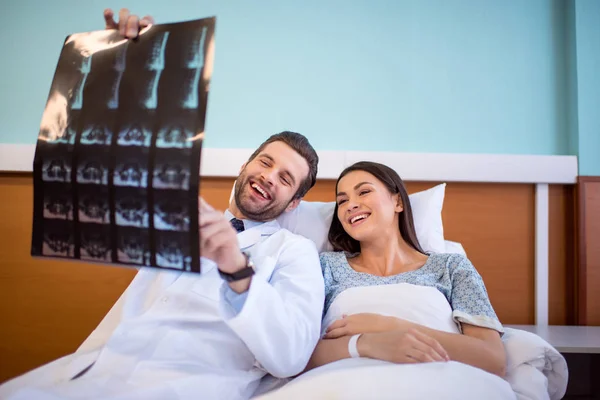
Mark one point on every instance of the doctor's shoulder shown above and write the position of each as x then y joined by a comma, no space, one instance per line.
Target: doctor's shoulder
289,242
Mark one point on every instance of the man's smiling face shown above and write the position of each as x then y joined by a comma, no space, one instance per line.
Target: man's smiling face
268,183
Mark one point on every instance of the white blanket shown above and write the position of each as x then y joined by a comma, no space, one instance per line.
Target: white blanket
535,369
371,379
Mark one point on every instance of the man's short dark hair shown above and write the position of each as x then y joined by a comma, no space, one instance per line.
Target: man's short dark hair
302,146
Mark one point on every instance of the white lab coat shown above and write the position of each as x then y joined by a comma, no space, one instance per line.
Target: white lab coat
180,337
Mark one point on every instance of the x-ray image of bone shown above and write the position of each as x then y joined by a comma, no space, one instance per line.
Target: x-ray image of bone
172,250
56,166
69,134
65,93
58,202
77,92
133,246
194,62
118,153
57,238
171,175
155,64
95,242
188,92
88,43
93,171
119,66
84,45
144,68
71,75
93,204
171,211
135,134
93,165
96,134
131,167
101,88
177,133
171,170
131,207
192,59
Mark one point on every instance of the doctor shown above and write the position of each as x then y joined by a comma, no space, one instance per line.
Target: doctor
255,309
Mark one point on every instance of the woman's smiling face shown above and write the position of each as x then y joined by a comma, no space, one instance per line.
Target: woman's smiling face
366,208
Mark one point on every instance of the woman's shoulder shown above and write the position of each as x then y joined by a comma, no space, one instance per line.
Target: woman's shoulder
331,262
451,261
332,257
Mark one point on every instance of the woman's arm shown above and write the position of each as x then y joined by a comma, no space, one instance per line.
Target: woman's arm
328,351
409,346
477,346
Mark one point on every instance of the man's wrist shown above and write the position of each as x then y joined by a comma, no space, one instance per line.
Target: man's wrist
239,273
240,286
238,264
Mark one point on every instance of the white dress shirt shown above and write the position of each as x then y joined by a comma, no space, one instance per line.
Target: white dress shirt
183,335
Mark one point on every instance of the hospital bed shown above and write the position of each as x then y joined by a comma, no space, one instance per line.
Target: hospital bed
536,369
492,233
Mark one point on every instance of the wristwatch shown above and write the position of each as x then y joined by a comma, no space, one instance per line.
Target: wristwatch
243,273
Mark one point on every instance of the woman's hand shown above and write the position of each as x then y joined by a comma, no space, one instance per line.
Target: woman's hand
400,347
364,323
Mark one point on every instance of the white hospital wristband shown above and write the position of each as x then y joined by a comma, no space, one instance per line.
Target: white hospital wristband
352,349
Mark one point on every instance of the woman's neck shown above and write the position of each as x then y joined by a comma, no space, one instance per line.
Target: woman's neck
389,255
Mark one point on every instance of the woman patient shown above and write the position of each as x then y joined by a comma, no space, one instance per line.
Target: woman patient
386,298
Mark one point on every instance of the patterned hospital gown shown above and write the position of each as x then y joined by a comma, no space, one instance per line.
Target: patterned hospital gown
451,274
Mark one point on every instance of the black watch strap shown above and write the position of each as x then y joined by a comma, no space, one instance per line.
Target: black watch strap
243,273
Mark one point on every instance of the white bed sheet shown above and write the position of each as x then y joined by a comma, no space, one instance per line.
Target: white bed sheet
372,379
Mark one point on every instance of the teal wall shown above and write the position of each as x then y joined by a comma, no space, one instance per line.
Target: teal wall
587,119
463,76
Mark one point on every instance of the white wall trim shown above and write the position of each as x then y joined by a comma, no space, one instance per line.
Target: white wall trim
16,157
447,167
542,216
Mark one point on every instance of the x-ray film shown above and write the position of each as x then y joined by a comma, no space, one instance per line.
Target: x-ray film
117,162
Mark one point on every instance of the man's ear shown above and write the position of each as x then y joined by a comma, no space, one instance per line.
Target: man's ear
399,205
293,204
242,168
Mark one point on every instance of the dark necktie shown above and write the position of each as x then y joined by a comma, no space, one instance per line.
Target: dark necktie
238,224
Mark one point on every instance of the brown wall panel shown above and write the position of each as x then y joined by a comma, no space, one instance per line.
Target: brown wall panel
47,307
589,250
495,224
562,262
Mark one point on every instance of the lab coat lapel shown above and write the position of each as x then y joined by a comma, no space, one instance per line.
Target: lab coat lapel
251,236
248,238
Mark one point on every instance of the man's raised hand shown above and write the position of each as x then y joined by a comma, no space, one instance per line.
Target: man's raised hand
129,25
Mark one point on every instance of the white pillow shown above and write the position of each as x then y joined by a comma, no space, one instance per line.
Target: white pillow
455,247
313,219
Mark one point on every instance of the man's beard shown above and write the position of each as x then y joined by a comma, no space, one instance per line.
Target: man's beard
269,212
